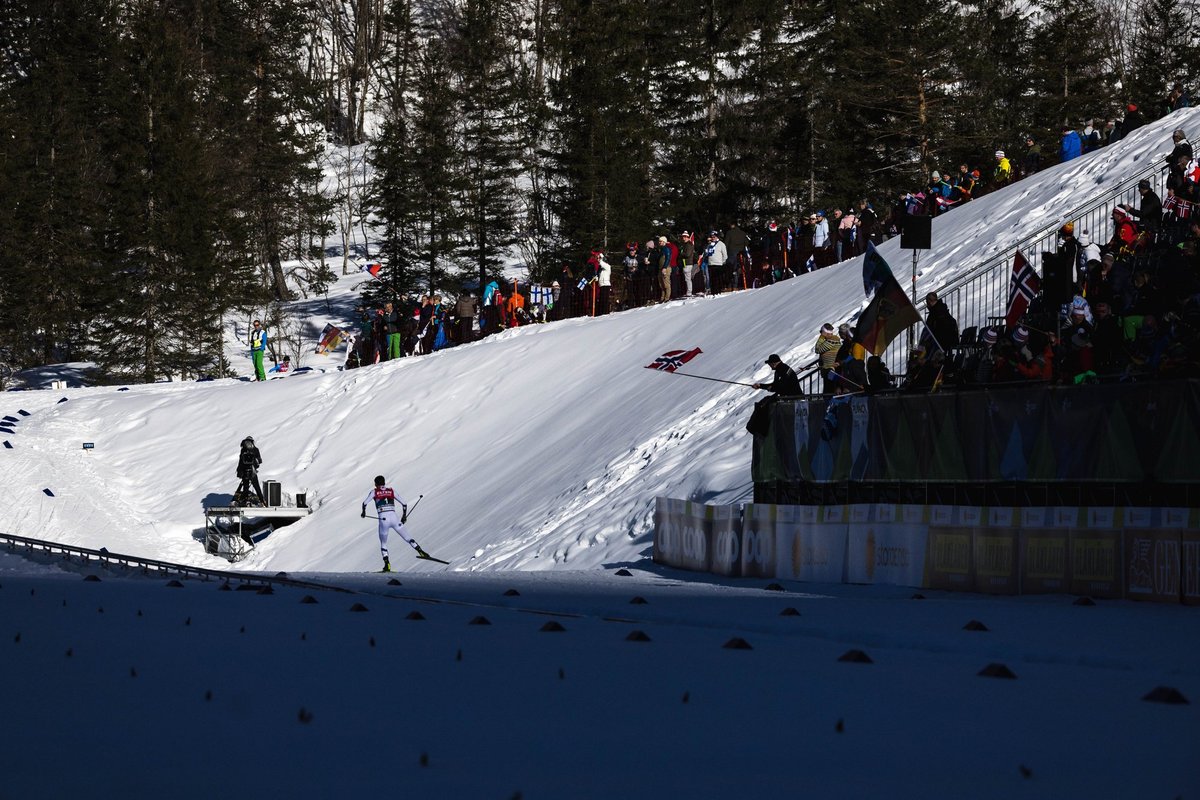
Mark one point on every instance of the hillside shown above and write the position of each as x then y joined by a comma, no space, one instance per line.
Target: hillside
538,448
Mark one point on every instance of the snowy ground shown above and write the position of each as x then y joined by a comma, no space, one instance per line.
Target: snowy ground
127,686
539,452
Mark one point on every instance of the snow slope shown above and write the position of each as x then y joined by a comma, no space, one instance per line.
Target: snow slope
538,448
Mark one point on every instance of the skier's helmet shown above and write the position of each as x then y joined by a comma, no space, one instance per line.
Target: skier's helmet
379,481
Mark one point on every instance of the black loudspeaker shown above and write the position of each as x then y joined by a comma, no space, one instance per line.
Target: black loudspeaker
1057,280
301,499
916,233
274,493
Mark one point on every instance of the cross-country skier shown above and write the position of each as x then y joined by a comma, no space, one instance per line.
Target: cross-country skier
385,506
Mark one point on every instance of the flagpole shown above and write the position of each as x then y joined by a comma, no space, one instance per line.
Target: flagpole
705,378
914,297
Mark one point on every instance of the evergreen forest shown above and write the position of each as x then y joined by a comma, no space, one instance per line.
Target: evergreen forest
169,164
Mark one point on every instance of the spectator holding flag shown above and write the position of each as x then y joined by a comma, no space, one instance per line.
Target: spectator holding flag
785,383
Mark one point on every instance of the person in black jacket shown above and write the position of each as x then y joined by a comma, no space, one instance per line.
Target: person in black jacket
1150,214
786,383
943,327
247,470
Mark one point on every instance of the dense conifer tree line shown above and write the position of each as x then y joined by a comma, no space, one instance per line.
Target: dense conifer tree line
161,160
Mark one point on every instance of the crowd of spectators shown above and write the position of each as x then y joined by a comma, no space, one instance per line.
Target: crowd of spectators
1126,308
1140,280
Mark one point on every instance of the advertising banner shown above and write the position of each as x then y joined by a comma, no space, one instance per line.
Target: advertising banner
887,552
1152,555
815,549
725,525
1044,554
758,539
1095,566
995,553
1189,567
681,534
1127,432
950,562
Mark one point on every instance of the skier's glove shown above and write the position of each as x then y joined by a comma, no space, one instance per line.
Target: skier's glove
404,517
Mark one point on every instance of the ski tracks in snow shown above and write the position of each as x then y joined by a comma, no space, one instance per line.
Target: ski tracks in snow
657,466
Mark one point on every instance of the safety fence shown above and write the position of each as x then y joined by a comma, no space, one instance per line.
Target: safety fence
1132,553
978,296
84,556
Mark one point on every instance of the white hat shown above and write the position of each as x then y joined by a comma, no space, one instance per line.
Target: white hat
999,154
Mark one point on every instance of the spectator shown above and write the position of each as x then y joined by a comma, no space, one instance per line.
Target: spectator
1031,162
1071,146
1124,231
1002,174
835,234
1133,120
865,226
1151,211
1030,366
921,372
391,321
664,263
1177,162
690,262
1108,341
465,310
964,185
785,382
1178,98
848,228
985,365
1090,138
940,325
879,378
1072,252
282,367
821,241
258,346
379,337
712,261
737,245
632,297
604,285
826,348
1110,133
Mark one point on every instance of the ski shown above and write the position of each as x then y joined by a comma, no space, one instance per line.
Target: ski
423,555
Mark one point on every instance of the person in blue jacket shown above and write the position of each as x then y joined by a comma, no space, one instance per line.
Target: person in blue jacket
1072,145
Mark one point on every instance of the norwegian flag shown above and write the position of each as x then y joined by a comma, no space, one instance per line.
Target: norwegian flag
1180,209
1024,287
674,359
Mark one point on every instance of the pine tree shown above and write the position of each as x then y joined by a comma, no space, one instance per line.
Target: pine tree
1166,51
487,102
1070,76
52,103
604,134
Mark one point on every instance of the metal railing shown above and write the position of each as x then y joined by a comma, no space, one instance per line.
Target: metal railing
147,566
981,292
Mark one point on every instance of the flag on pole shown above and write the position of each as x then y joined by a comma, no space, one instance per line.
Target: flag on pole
331,337
890,312
811,263
1024,287
674,359
372,269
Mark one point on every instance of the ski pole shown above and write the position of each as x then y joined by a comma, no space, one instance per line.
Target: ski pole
414,505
